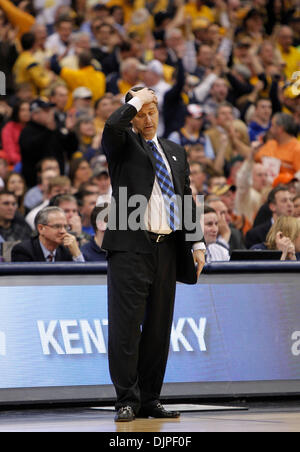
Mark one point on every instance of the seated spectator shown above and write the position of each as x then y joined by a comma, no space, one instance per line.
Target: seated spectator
40,138
89,142
92,250
82,102
27,70
191,132
296,202
197,177
69,205
45,169
261,120
59,97
280,203
3,171
53,243
80,172
284,236
86,201
229,137
60,185
15,184
229,235
13,227
227,194
12,130
103,110
102,180
214,250
252,188
129,76
284,146
59,42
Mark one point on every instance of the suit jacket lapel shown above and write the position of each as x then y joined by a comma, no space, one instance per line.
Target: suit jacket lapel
173,165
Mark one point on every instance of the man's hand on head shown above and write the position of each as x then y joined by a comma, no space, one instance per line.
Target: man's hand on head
146,95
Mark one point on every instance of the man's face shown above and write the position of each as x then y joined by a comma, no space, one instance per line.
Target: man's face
70,208
105,108
146,121
55,230
260,177
103,183
65,30
229,199
221,210
210,228
60,97
219,90
51,165
283,204
264,110
225,116
8,207
89,202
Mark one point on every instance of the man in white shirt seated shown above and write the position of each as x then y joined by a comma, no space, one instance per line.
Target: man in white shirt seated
215,251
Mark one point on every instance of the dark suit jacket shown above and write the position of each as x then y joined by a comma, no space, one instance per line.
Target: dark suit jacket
31,251
132,165
258,234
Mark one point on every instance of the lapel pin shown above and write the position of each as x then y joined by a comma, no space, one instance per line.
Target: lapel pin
174,158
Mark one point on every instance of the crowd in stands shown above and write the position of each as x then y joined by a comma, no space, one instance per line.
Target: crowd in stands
227,77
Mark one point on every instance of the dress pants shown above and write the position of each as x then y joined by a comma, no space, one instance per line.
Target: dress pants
141,293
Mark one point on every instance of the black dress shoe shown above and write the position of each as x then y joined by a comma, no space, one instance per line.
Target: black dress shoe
125,414
158,411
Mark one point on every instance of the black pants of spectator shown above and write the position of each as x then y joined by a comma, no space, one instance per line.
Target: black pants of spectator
141,293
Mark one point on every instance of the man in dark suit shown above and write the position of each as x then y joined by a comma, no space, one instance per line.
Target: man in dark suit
145,259
53,242
280,203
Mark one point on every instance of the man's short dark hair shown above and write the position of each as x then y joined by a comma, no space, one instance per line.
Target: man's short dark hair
4,191
85,58
80,195
272,194
208,209
27,41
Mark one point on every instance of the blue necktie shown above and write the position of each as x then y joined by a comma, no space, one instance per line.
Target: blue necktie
166,187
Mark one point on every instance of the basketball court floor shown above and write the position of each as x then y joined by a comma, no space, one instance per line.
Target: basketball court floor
263,416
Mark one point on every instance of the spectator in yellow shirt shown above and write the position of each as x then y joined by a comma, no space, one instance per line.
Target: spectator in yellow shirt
27,69
86,76
289,53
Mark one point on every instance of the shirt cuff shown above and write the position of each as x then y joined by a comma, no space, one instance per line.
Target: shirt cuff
136,103
199,246
79,258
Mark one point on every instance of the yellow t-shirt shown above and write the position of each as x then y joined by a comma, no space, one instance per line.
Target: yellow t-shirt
291,59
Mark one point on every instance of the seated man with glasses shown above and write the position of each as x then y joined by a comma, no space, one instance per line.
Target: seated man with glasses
53,242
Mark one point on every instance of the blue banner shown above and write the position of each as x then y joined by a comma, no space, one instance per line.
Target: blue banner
57,335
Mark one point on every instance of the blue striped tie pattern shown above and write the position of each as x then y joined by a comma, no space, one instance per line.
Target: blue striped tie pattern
166,187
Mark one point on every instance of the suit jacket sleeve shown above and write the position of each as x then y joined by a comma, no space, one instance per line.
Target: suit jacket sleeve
20,254
115,131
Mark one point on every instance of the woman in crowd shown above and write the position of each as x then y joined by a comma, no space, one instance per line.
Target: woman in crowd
80,172
11,132
15,183
284,236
